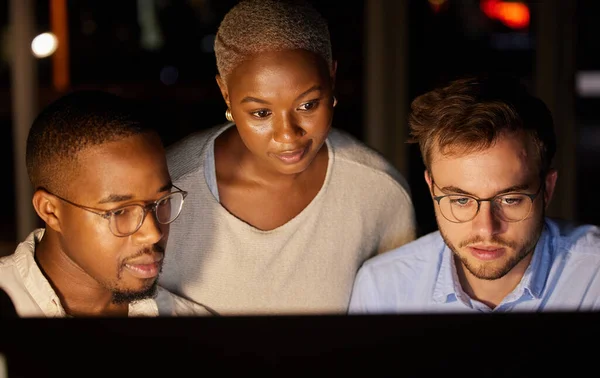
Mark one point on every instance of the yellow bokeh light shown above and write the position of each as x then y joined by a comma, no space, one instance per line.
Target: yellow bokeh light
44,45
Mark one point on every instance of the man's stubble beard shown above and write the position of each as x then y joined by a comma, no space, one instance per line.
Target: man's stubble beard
482,270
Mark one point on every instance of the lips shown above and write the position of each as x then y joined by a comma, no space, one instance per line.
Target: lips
146,267
486,252
292,156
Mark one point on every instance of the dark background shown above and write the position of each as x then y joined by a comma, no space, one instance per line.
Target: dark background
106,52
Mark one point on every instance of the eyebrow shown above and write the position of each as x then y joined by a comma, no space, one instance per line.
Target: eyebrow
514,188
246,99
112,198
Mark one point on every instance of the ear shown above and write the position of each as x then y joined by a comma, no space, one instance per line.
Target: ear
429,182
46,206
223,88
550,184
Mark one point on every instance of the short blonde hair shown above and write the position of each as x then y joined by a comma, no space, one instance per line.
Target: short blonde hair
255,26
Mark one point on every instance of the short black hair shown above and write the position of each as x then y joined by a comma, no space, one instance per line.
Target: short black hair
77,121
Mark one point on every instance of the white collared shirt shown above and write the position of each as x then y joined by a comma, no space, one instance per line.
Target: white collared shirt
33,296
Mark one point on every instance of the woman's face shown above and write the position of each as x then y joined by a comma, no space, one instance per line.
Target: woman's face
282,104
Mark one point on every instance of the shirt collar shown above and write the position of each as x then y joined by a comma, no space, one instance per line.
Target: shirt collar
144,307
536,274
34,280
447,286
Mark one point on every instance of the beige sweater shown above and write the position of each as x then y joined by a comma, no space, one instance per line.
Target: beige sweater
306,266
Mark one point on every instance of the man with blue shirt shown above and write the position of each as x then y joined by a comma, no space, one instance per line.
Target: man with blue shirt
487,145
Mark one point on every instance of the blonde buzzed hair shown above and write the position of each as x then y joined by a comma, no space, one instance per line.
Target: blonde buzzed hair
255,26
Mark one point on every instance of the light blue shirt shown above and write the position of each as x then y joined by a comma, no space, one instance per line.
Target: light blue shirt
563,275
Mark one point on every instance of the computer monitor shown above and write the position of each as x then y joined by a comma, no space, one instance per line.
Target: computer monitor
418,345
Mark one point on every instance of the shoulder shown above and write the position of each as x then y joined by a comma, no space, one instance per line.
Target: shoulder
401,277
9,272
576,239
414,255
170,304
186,154
354,154
12,278
7,263
24,252
19,268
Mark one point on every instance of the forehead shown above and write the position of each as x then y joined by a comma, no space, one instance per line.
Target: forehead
134,166
508,162
278,70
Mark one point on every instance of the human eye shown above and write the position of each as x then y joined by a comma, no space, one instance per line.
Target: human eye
166,201
261,113
310,105
461,201
163,201
122,212
118,212
511,200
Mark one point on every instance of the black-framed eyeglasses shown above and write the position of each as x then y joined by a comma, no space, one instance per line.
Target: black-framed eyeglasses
509,207
126,220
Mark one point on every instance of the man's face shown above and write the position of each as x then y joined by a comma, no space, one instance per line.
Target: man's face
488,246
109,176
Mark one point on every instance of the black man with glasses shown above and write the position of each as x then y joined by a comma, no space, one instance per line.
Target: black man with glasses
103,190
487,146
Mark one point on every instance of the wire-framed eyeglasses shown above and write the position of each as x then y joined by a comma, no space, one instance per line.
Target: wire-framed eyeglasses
127,220
509,207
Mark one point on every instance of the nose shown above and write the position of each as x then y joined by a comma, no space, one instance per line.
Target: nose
286,129
486,223
151,231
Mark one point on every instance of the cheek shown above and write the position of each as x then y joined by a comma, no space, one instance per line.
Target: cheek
81,230
93,246
529,224
455,232
165,228
254,137
319,122
317,128
106,256
523,230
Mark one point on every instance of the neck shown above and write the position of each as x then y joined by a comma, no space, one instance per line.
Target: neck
491,292
79,293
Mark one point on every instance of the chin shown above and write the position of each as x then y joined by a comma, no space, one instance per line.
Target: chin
127,295
490,270
292,171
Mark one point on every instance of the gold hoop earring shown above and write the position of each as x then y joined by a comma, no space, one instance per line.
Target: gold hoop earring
334,101
228,115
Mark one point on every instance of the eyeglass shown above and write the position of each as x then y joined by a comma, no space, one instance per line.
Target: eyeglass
509,207
126,220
